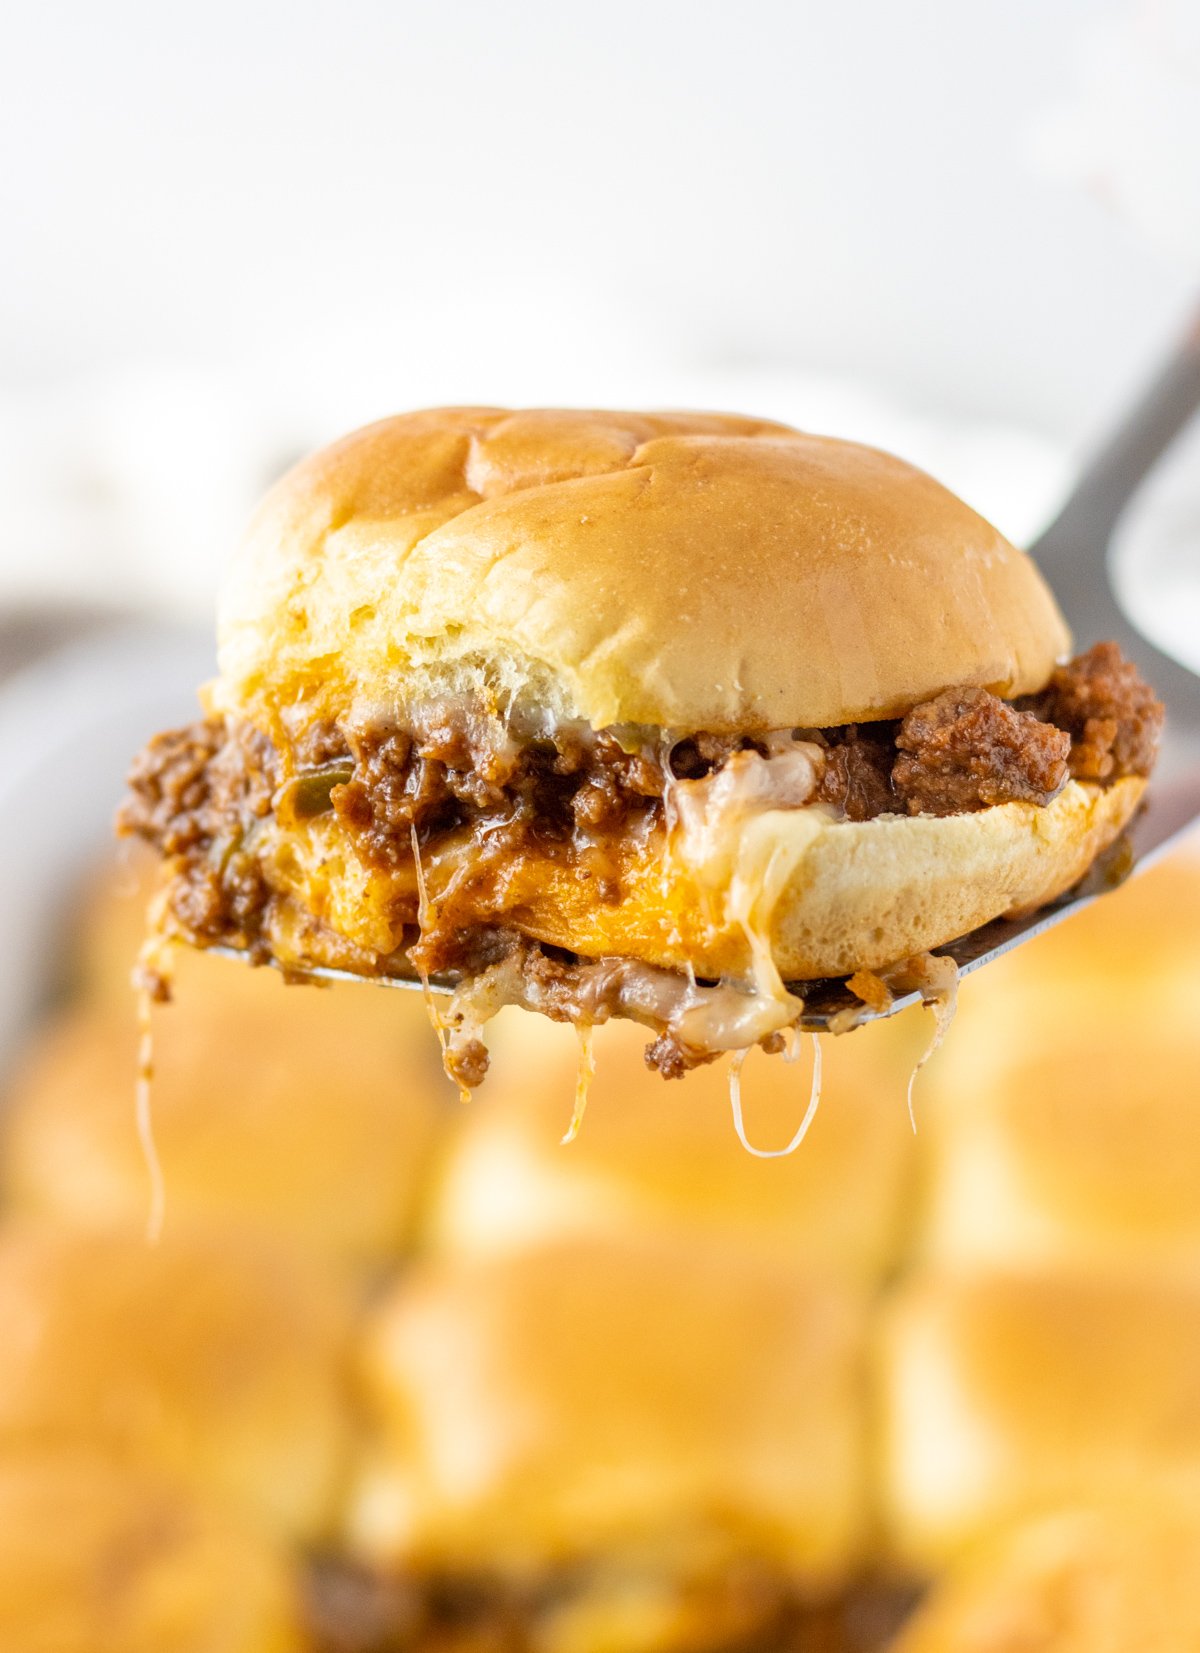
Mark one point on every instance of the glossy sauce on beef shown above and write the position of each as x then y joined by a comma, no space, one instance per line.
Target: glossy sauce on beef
454,777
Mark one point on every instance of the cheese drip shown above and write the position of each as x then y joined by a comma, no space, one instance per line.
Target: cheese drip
583,1081
152,982
723,832
736,1064
723,829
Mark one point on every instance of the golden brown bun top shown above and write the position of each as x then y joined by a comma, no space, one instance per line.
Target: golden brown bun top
1113,1580
1063,1364
652,1156
1085,1149
213,1357
1125,970
590,1398
269,1103
99,1557
1006,1394
689,571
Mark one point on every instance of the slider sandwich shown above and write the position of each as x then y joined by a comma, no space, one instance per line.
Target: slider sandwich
647,715
263,1115
1084,1151
99,1556
636,1443
212,1357
1003,1395
659,1159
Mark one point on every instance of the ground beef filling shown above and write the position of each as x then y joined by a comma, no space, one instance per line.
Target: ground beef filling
198,793
1113,717
967,750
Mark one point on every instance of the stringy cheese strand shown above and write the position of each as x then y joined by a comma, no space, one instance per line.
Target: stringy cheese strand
942,999
431,1009
583,1079
735,1098
156,1212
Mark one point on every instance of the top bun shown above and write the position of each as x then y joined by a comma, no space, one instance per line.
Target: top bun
686,571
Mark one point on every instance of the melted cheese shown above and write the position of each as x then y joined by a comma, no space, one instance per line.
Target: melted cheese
735,1100
724,832
936,979
143,1113
583,1081
152,977
724,828
431,1009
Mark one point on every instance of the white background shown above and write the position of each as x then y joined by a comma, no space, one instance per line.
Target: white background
229,230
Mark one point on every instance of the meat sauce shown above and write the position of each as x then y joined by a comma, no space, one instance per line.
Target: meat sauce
197,794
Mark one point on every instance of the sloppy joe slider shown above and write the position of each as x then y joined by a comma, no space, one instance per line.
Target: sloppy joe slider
653,715
1005,1394
1085,1150
262,1114
627,1434
213,1357
658,1158
99,1556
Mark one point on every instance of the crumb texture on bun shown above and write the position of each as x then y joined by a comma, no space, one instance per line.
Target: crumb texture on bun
553,556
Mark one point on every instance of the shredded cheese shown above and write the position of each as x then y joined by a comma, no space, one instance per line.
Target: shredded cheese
151,979
583,1080
737,1062
156,1212
724,830
936,979
431,1009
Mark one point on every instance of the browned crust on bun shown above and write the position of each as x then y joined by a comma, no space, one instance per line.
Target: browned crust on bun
644,715
690,571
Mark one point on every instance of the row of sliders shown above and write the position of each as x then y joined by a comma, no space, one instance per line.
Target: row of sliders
457,1430
642,1392
1038,1372
591,1530
177,1419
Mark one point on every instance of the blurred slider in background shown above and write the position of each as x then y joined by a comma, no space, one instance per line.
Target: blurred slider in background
308,1114
1044,1351
1104,1580
1063,1119
215,1356
99,1557
653,1158
1010,1393
645,1441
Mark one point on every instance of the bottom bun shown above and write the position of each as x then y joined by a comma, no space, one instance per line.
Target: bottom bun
868,894
830,897
834,897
